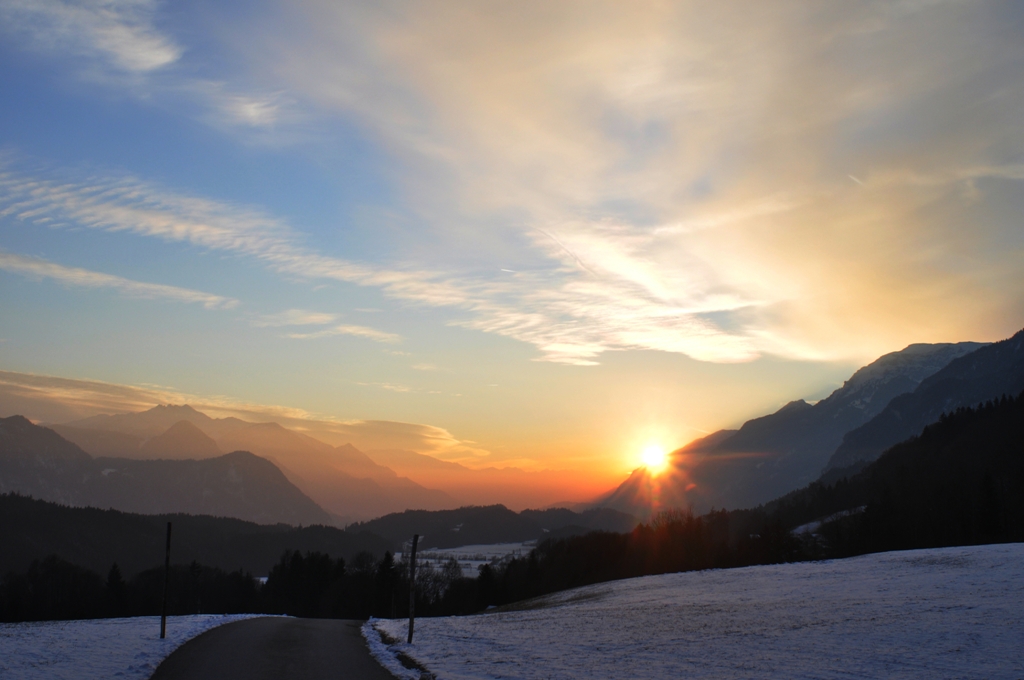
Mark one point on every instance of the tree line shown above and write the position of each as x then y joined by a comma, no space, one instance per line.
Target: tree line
314,584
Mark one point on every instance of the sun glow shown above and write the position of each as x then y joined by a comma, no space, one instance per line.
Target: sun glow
655,458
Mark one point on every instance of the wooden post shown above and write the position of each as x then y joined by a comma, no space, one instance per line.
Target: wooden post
412,585
167,582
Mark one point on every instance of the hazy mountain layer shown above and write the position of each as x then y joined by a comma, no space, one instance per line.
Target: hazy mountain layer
101,442
183,440
238,484
350,484
342,480
37,461
988,373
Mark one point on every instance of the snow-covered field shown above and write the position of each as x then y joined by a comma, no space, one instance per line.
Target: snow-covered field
470,557
95,649
949,613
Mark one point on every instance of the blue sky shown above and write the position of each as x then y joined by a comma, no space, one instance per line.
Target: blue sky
552,232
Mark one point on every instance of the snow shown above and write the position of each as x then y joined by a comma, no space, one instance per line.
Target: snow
384,654
471,557
955,612
99,648
812,527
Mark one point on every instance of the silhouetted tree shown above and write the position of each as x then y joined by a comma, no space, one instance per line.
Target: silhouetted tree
115,592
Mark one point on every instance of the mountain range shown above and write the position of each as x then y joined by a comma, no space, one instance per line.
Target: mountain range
343,480
37,461
129,460
350,484
883,403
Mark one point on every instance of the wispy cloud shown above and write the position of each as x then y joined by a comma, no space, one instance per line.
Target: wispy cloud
606,286
84,278
390,387
680,177
120,32
296,317
117,43
689,169
233,107
568,313
346,329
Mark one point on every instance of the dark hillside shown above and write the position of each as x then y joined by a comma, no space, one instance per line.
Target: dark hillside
23,442
596,519
452,528
237,484
957,483
37,460
32,529
475,525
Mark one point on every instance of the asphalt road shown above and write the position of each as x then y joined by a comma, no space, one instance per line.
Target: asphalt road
275,648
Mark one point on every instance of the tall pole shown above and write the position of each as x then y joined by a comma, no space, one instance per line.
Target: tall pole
167,582
412,585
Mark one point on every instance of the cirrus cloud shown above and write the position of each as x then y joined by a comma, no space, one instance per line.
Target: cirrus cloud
84,278
348,329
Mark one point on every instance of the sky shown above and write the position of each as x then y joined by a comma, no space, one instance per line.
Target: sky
540,234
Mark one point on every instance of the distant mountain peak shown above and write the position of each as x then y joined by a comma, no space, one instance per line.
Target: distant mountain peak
181,440
21,439
145,424
795,405
184,410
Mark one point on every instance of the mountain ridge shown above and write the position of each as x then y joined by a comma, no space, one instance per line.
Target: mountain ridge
36,460
343,480
785,450
988,373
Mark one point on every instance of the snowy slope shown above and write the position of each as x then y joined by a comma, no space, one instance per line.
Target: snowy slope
956,612
97,649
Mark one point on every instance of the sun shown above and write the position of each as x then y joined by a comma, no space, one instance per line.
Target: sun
655,458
